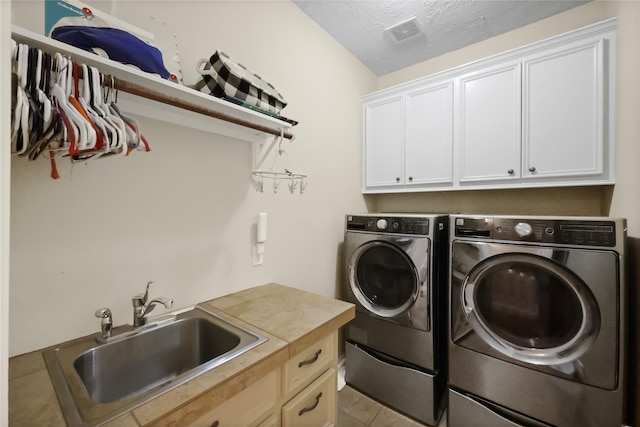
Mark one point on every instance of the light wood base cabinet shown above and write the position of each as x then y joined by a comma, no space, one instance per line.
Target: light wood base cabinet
310,385
302,393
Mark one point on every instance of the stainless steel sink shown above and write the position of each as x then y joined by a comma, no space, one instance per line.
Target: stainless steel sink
96,382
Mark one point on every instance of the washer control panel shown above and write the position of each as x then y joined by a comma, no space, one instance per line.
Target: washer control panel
388,224
562,231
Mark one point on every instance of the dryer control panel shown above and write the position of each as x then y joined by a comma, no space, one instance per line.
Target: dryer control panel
388,224
540,230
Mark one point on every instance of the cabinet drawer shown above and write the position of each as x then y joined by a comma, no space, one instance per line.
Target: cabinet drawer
315,406
248,407
307,365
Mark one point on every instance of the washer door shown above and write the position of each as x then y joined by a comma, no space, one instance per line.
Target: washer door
383,278
530,308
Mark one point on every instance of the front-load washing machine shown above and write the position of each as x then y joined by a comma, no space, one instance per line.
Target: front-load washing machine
537,322
396,275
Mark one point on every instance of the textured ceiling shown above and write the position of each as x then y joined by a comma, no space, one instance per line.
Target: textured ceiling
446,25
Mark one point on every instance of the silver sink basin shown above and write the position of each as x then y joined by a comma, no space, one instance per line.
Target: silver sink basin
96,382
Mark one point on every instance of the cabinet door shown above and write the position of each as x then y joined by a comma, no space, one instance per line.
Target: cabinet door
563,112
315,406
429,135
490,124
384,140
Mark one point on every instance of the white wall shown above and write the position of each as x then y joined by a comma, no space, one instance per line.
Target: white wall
184,215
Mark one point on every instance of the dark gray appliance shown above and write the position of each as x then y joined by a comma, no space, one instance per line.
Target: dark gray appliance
537,322
396,275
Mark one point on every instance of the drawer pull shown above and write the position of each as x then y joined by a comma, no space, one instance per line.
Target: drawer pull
216,423
312,407
310,361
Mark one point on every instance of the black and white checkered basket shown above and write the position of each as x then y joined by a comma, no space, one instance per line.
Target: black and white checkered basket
222,76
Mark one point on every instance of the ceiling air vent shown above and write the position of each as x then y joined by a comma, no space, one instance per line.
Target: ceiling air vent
405,30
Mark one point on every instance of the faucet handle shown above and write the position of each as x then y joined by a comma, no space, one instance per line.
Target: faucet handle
106,322
103,313
146,292
142,299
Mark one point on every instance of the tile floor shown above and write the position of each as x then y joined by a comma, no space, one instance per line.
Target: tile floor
357,410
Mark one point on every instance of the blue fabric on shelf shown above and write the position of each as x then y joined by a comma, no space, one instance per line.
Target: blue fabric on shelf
120,45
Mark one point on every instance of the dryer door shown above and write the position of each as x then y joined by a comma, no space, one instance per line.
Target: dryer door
531,308
383,278
550,309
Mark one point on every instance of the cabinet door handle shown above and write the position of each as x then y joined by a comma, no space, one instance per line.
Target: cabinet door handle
532,169
312,407
397,179
510,171
310,361
216,423
410,178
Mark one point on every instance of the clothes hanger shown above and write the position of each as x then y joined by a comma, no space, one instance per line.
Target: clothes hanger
26,107
42,96
63,93
94,99
124,131
52,123
81,103
61,142
132,124
20,131
73,131
98,99
92,133
54,130
86,134
105,131
36,121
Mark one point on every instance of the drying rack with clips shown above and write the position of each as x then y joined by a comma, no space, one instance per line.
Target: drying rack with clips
282,168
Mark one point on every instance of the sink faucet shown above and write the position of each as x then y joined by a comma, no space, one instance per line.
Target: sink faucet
142,307
106,323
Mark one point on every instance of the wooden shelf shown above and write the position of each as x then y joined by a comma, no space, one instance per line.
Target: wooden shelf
148,95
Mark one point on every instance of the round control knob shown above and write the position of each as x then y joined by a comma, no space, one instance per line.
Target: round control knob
381,224
523,229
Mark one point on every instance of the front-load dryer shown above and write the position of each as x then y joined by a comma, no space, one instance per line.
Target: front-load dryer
396,275
537,321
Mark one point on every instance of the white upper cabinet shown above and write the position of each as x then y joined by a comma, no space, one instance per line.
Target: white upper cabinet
384,133
429,134
539,116
409,138
563,112
489,119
